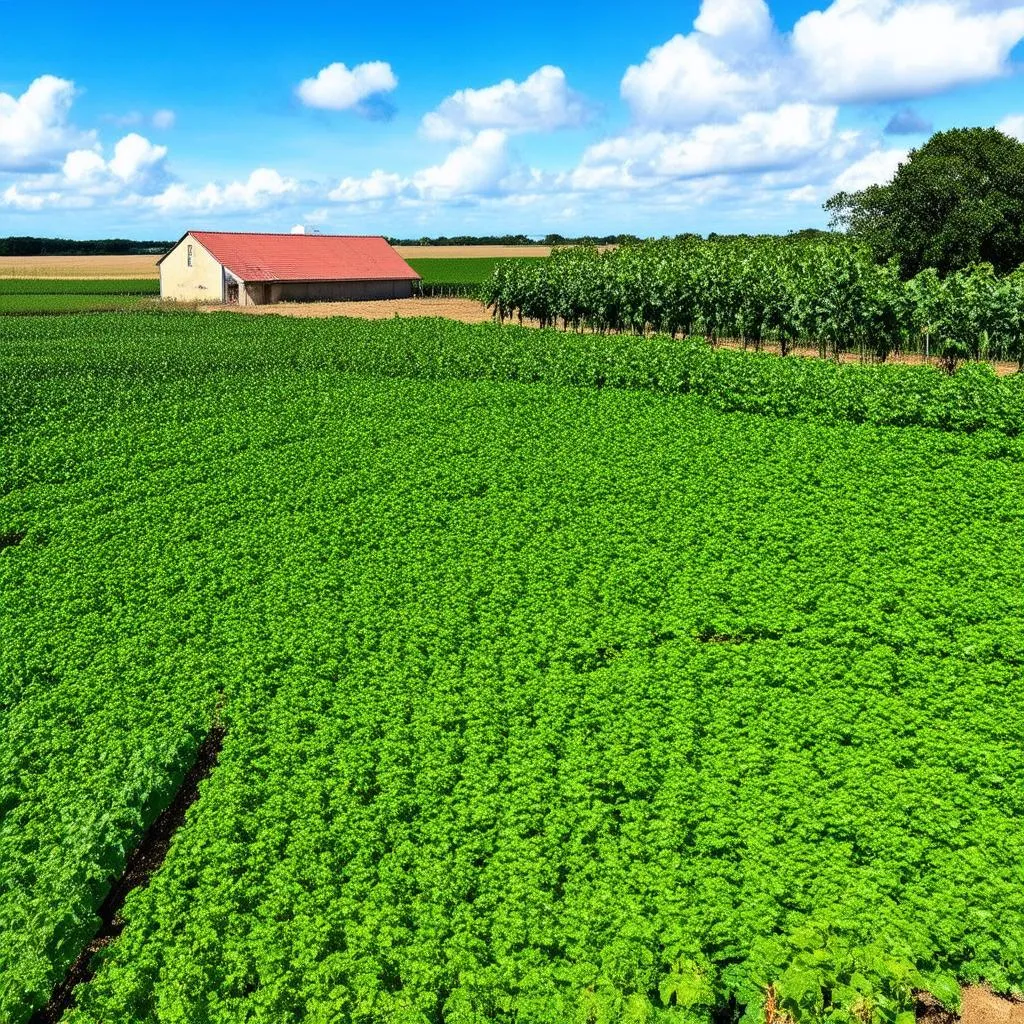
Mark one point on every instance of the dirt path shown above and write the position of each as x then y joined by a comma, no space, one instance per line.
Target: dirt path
467,311
980,1006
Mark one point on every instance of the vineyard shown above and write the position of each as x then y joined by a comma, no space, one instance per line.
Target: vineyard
830,294
612,680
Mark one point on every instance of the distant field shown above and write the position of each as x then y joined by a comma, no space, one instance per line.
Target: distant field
79,267
443,252
92,268
79,286
70,295
458,276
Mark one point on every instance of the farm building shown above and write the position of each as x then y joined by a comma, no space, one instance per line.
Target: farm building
250,268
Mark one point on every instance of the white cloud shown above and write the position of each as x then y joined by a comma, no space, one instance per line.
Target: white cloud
727,66
135,158
34,130
82,166
14,197
735,61
379,185
474,168
478,168
748,20
336,87
875,168
885,49
543,102
137,164
780,139
298,229
803,194
1013,126
263,187
164,119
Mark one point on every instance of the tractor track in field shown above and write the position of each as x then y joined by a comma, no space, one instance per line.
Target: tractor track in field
144,861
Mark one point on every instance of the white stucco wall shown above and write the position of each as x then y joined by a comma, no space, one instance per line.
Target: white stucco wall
202,282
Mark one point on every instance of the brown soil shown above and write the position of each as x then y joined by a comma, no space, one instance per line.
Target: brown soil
980,1006
468,311
142,864
79,268
455,252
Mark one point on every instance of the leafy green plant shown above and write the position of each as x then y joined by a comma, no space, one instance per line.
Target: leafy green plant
815,975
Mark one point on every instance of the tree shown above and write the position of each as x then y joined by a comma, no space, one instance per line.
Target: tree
956,201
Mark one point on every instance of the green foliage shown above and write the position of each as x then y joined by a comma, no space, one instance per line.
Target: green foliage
544,703
887,395
817,975
956,201
825,292
457,276
69,286
57,295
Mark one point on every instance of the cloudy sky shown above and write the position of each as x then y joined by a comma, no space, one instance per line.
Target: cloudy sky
143,120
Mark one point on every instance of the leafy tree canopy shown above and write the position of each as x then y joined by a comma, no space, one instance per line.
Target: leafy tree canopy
957,200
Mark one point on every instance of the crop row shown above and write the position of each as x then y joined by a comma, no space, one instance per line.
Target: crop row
973,398
827,293
69,286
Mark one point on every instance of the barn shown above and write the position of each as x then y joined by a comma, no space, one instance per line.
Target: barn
250,268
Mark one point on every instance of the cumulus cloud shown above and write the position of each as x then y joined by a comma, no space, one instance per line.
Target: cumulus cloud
478,168
83,166
888,49
34,129
1013,126
758,141
907,122
543,102
136,159
735,60
263,187
337,87
379,185
137,165
727,66
875,168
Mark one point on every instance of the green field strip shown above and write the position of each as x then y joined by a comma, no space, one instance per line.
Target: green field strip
144,861
467,270
66,286
35,304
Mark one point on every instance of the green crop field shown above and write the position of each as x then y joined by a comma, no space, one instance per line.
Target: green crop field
459,276
73,296
563,678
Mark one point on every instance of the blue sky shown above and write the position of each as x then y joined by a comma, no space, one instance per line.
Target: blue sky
145,120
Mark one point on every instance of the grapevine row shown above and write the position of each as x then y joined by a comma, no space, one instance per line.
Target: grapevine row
829,294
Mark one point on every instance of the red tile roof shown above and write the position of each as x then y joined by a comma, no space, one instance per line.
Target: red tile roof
251,256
